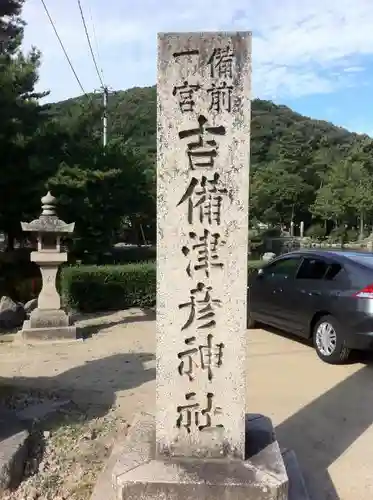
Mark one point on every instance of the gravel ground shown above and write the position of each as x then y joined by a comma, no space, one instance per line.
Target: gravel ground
98,375
67,452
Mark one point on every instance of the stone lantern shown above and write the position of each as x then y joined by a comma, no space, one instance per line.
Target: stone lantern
48,320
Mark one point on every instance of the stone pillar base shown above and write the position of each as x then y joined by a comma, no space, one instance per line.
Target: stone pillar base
48,324
138,473
56,333
49,318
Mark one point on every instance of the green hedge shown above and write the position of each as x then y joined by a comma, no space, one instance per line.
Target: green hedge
129,255
110,288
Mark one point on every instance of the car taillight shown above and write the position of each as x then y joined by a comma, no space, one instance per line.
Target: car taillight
365,293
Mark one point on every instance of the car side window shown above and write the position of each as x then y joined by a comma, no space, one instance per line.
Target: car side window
285,268
333,271
312,269
318,269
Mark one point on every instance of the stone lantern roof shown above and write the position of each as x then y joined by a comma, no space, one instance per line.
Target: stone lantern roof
48,222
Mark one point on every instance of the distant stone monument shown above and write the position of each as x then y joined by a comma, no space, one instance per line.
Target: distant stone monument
301,229
48,320
200,445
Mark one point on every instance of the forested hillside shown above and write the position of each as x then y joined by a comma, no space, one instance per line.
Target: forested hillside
296,162
276,130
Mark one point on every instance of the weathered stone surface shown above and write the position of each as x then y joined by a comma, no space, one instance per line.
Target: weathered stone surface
49,318
202,241
104,487
260,439
49,298
48,222
52,333
12,314
139,474
13,449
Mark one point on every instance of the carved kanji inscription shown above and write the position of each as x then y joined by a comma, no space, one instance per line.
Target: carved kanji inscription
194,414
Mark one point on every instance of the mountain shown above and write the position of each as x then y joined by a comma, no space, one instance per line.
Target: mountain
294,159
275,130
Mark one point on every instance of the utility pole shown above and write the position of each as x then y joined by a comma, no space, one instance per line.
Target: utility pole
104,118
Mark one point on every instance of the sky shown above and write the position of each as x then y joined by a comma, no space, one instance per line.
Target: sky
315,56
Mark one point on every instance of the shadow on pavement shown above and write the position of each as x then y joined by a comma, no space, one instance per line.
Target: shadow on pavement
286,335
355,357
322,431
91,387
87,331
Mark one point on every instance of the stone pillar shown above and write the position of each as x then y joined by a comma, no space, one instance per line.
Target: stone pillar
49,298
204,134
301,229
199,447
292,228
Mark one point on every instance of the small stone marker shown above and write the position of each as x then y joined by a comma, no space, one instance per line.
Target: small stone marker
203,184
195,447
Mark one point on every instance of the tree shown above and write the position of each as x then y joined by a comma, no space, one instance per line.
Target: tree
299,146
10,24
98,192
21,118
275,194
332,200
360,189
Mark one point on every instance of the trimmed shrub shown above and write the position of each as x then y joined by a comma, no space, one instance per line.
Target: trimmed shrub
352,235
254,265
109,288
129,255
316,232
338,235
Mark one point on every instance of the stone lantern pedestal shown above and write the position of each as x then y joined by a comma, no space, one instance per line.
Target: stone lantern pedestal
48,320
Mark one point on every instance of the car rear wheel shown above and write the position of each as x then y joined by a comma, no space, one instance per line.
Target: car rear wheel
328,341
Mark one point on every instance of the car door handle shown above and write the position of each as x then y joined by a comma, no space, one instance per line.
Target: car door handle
277,290
311,292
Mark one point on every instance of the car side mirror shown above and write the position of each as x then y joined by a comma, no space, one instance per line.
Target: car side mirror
260,273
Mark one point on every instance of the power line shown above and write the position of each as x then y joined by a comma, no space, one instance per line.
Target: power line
62,46
96,41
90,45
105,90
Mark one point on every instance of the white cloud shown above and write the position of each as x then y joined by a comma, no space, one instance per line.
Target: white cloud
300,47
353,69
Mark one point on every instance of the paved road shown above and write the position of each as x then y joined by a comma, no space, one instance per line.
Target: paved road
325,413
